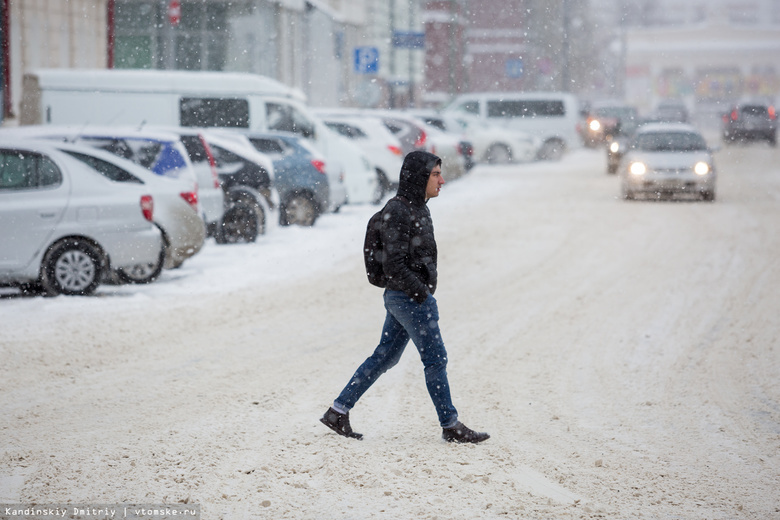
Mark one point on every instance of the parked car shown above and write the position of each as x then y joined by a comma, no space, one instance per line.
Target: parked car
377,140
749,121
300,177
164,152
213,202
175,207
667,159
64,226
490,144
608,119
246,177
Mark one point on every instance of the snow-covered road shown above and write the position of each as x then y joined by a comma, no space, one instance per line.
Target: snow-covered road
624,356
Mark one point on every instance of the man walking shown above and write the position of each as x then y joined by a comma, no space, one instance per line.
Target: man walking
410,267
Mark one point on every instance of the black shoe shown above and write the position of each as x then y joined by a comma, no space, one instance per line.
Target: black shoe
461,433
339,423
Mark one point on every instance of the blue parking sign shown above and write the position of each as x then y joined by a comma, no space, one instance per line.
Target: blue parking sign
514,68
366,60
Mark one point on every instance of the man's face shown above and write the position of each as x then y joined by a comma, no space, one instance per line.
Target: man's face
434,183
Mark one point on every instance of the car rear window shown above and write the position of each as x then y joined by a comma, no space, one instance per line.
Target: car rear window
195,149
106,169
755,110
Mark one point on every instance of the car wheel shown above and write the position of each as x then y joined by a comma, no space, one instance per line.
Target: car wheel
708,196
498,154
612,168
551,150
299,210
772,140
143,273
242,222
382,187
72,267
627,193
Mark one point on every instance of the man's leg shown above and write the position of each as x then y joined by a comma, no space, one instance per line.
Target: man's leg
386,356
421,322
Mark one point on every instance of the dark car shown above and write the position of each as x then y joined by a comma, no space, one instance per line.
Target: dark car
750,121
300,177
607,120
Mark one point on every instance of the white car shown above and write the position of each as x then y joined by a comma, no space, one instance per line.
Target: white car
175,206
162,152
63,226
376,140
212,198
491,144
347,161
666,159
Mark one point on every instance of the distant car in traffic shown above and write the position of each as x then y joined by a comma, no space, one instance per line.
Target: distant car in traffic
668,159
607,120
671,111
64,226
750,121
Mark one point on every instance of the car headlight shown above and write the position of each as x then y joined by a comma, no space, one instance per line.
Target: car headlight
701,168
614,147
595,125
637,168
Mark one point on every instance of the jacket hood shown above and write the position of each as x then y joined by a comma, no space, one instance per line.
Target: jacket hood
414,175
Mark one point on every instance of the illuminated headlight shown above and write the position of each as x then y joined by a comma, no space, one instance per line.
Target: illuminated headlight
595,125
637,168
614,147
701,168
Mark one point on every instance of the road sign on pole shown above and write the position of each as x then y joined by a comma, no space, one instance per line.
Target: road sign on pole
366,60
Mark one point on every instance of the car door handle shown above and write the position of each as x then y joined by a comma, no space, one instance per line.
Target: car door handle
47,215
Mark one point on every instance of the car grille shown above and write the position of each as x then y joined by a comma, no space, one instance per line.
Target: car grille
673,171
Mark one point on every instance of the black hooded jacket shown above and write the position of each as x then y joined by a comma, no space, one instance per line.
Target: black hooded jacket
407,231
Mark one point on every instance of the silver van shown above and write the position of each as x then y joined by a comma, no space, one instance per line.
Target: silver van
550,116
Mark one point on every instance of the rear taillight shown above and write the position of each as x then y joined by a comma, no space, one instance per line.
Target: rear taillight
191,198
212,162
421,139
147,207
319,165
772,113
734,115
395,150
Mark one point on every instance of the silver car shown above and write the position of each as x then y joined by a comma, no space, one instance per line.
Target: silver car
175,206
668,159
63,226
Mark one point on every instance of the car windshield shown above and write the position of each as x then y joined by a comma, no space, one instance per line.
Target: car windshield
670,142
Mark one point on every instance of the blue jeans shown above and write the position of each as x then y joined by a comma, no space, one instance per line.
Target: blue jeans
407,319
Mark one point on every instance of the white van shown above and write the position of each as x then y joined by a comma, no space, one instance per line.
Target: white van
180,98
550,116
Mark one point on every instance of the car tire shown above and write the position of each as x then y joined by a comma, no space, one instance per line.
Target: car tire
498,154
72,267
612,168
708,196
143,273
772,140
382,187
299,210
551,150
242,222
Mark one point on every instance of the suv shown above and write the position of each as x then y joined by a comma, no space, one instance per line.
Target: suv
750,121
64,226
